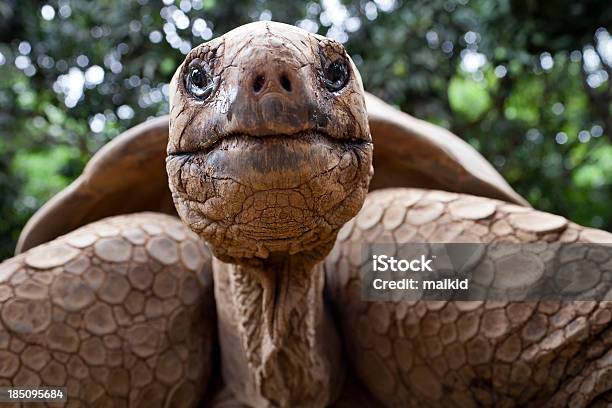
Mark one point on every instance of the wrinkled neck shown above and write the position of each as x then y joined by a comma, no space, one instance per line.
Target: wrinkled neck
278,345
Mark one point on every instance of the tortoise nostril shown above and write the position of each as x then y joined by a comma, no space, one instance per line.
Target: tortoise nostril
285,83
258,83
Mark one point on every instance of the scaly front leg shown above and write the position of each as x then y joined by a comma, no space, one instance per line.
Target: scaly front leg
120,312
438,353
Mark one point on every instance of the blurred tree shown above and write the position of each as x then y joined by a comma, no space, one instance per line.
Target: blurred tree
526,82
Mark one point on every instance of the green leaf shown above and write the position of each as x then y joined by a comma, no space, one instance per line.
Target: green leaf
468,98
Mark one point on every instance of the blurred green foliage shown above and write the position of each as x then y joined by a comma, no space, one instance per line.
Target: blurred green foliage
526,82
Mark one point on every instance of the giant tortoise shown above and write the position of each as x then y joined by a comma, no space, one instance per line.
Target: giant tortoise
279,167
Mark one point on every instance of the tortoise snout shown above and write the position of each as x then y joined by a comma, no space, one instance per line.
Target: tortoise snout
274,95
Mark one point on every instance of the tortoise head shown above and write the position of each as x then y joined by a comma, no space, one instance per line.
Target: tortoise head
269,148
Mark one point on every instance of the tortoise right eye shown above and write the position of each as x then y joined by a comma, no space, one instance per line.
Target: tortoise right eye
336,75
199,82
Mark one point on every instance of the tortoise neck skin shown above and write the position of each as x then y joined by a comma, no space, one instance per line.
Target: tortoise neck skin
269,155
279,346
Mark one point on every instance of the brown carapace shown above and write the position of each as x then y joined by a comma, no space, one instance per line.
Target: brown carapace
252,297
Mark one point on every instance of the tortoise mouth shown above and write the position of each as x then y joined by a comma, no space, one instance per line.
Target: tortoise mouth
275,161
226,141
278,162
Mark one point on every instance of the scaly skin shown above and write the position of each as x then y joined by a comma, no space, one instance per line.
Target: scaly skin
463,354
120,312
405,354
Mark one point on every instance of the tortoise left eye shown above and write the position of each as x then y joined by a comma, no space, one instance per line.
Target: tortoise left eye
199,81
336,75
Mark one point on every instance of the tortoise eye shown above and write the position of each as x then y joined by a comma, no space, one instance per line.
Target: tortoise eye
199,81
336,75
